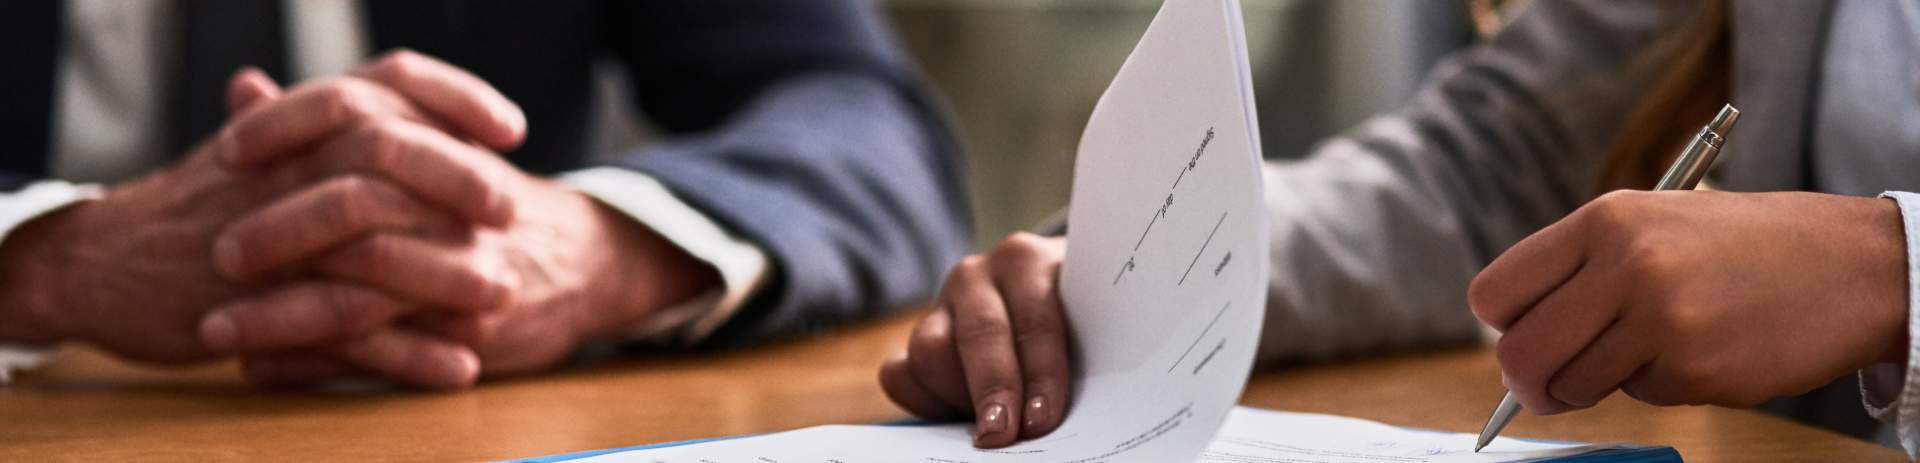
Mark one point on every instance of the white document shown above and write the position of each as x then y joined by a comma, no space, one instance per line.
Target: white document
1248,436
1264,436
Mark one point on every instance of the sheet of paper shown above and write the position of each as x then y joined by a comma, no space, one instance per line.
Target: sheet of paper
1164,283
1264,436
1248,436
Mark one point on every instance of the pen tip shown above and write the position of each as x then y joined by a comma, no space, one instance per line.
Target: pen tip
1477,447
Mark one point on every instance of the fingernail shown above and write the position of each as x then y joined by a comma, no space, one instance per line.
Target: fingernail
1036,408
508,117
468,370
993,420
218,333
514,119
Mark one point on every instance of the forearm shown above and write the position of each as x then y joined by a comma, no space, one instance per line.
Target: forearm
1376,234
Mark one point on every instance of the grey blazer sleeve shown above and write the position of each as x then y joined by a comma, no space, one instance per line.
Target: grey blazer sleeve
801,127
1377,233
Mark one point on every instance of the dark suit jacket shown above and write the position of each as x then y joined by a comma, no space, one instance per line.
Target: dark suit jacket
798,125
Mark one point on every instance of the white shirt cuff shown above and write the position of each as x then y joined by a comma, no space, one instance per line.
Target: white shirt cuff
21,358
742,265
1892,392
17,208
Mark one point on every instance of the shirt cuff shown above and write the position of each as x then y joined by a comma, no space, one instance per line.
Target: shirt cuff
21,358
1891,392
742,265
16,208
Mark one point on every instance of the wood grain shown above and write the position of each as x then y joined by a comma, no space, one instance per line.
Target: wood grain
86,406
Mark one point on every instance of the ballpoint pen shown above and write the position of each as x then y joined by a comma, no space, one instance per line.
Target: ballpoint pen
1685,173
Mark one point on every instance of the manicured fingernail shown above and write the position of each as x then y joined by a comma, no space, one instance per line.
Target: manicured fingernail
1036,409
993,420
218,333
227,256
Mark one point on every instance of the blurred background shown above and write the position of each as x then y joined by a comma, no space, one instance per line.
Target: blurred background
1021,76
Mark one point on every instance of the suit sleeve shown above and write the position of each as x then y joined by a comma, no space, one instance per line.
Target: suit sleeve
11,182
1377,233
801,127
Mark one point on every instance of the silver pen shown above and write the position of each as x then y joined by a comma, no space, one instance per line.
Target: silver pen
1686,172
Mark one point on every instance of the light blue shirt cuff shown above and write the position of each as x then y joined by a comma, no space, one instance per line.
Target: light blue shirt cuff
17,208
742,266
1891,392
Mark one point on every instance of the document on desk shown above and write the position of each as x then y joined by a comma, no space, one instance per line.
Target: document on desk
1248,436
1164,286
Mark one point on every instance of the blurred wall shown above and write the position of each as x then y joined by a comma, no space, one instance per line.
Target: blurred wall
1021,76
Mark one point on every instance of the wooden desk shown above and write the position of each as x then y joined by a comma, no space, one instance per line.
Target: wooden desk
88,407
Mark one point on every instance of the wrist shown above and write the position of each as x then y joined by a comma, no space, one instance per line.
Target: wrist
647,273
1889,216
31,263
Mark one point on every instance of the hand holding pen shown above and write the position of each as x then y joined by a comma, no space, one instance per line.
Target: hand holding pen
1695,297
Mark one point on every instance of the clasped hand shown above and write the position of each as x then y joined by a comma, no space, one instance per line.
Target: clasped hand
362,224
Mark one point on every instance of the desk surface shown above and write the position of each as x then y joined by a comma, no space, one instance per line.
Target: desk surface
84,406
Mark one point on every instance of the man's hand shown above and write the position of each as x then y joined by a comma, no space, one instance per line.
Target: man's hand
1697,298
523,293
995,346
132,272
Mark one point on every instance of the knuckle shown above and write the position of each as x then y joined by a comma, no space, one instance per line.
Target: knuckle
354,311
345,100
1036,324
381,146
491,289
1610,210
1647,260
982,329
1017,246
347,203
998,386
402,63
928,342
374,257
969,268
